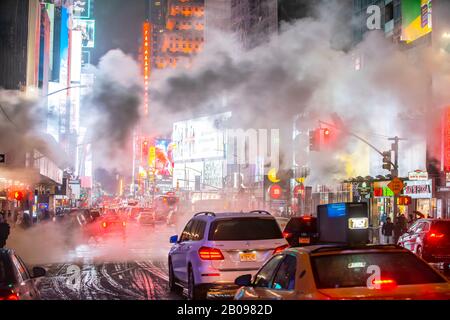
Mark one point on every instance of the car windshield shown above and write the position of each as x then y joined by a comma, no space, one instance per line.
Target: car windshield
237,229
351,270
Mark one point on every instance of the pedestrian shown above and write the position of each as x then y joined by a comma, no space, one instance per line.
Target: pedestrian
4,231
397,229
387,231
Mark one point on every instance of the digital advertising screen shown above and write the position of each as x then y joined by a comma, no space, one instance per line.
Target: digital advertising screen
417,19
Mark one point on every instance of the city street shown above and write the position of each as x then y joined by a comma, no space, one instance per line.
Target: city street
143,276
224,149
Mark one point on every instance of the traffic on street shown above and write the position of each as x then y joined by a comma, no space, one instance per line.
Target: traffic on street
235,151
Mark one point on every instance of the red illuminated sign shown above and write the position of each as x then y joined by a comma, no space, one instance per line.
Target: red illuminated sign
275,191
146,61
447,140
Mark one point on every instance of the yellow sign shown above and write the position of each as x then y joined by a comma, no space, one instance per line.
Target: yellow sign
272,175
300,180
396,185
151,156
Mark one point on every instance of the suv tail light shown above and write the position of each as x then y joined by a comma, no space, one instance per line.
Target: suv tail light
207,253
280,248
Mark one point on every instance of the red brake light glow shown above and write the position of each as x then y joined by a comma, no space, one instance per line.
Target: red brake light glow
287,235
11,297
306,218
280,249
436,235
207,253
385,283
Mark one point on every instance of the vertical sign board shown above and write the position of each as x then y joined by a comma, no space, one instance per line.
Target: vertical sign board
343,223
146,61
446,139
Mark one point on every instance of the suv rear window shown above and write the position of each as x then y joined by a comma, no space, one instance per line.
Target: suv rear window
238,229
350,270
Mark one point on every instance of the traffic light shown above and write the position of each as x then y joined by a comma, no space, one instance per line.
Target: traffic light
404,201
387,161
18,195
314,140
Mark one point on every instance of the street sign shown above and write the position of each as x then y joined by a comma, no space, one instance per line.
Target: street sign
396,185
2,158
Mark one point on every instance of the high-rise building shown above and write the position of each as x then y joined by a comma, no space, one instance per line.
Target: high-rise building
254,21
184,32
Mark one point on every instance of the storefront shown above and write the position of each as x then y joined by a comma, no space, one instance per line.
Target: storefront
421,193
382,203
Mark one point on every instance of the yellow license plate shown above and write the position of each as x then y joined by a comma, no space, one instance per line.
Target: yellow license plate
304,240
247,257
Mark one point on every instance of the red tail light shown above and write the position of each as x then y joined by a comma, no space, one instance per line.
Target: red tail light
207,253
385,283
306,218
11,297
287,235
280,249
436,235
104,224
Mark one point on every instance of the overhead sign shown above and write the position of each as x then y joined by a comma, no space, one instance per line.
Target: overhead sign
396,185
418,175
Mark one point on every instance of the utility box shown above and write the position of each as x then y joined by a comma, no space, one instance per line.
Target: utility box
343,223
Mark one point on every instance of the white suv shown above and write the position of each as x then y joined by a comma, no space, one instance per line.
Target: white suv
216,248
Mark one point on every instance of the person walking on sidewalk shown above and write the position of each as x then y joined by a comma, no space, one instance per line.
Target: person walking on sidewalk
387,231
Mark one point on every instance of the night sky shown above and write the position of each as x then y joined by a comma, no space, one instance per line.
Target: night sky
118,24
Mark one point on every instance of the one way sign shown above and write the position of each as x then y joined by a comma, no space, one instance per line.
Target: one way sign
2,158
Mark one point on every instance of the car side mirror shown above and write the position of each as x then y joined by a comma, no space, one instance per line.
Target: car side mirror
244,281
173,239
39,272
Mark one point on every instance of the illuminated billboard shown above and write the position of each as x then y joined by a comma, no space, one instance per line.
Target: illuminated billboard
161,158
417,19
64,47
146,61
87,28
76,56
201,138
82,9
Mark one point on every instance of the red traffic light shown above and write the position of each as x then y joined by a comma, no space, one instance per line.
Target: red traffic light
18,195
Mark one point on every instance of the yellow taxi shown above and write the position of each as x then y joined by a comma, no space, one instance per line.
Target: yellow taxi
335,272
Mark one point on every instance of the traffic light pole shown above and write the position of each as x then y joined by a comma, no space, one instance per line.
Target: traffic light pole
394,171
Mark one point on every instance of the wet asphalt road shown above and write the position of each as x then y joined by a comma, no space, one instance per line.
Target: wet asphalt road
110,269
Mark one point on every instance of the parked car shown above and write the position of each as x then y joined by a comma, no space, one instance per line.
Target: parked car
16,282
430,240
215,248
